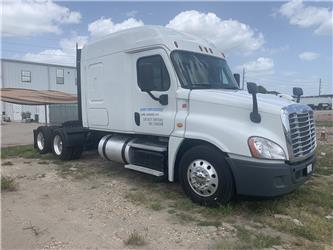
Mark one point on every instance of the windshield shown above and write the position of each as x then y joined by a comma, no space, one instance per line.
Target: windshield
199,71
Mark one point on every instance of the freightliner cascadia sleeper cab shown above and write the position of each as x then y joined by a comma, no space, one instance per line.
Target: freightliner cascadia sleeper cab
165,103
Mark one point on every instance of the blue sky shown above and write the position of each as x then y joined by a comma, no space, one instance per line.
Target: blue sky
279,44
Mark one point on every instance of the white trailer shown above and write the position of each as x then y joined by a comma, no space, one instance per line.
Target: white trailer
165,103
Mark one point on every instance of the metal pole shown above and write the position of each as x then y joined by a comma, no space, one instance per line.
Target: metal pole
319,86
45,108
243,78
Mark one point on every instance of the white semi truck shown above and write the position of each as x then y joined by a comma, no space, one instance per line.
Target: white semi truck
165,103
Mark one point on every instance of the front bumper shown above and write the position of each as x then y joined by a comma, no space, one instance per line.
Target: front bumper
268,178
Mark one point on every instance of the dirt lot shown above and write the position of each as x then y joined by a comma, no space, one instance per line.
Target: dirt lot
17,133
92,203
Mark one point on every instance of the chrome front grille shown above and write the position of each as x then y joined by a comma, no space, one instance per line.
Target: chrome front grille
302,133
300,130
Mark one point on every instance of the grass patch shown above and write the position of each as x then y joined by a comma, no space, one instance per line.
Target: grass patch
185,204
7,163
220,211
303,232
265,241
172,211
43,162
184,218
324,164
156,206
8,184
26,151
209,223
135,239
136,197
252,240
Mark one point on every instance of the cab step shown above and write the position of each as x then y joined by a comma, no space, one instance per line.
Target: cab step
144,170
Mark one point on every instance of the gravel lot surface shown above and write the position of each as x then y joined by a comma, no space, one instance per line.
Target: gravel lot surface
16,133
52,209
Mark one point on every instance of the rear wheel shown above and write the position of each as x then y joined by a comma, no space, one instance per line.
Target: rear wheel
205,176
43,140
60,146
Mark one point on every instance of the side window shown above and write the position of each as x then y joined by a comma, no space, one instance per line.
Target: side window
152,74
60,76
25,76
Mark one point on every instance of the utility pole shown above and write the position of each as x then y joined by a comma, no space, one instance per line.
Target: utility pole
243,80
319,86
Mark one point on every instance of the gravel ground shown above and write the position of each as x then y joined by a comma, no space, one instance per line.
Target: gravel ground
16,133
52,209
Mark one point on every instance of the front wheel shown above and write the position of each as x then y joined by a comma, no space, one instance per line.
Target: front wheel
205,176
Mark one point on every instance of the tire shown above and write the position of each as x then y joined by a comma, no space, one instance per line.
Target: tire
207,165
60,147
43,140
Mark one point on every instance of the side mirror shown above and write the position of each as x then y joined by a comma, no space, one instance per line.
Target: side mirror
164,99
237,78
297,92
252,88
145,78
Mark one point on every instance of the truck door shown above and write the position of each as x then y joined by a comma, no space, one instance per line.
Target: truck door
153,72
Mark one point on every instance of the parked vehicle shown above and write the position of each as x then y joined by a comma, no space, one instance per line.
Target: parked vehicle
165,103
324,106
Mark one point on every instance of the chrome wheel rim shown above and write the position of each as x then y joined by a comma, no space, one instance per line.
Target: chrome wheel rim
40,141
57,144
202,177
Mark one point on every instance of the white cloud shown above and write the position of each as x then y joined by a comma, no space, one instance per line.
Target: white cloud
26,18
105,26
306,16
227,35
261,66
65,55
308,56
131,13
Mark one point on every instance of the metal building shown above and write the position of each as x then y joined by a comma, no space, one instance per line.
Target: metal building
38,76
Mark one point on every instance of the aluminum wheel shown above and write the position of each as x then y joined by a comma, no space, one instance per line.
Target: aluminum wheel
202,177
40,141
57,144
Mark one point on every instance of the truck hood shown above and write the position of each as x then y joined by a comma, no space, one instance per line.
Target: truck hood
239,98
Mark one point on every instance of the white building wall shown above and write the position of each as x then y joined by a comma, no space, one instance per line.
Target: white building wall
43,77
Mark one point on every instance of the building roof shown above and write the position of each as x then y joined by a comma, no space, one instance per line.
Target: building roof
35,97
36,63
317,96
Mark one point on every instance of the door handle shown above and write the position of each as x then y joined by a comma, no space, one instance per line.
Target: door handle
137,118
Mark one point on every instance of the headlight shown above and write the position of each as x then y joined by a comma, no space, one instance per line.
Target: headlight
265,149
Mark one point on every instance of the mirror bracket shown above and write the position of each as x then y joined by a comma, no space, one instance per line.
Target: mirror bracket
254,115
162,99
